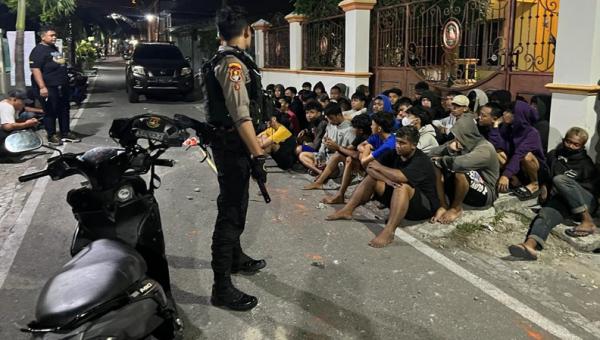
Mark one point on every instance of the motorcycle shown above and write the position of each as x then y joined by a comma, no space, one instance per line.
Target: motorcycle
117,285
78,83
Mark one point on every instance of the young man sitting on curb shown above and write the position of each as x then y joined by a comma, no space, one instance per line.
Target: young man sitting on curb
403,180
460,108
466,171
418,117
380,141
522,150
278,141
361,125
570,189
338,133
358,107
310,139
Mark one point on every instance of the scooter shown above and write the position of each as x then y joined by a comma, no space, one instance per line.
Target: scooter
117,284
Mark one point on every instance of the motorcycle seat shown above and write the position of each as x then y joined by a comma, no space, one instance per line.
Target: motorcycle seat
101,271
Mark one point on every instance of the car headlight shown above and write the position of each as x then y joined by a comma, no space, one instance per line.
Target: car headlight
186,70
138,70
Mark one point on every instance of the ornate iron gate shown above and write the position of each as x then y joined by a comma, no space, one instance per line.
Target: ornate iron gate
463,44
277,41
323,43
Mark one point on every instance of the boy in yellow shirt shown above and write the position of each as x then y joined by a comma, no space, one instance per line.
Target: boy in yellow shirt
277,141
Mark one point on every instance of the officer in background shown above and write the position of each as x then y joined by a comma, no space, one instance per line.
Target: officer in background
232,85
51,85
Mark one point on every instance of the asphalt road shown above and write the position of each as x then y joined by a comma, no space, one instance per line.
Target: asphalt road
322,280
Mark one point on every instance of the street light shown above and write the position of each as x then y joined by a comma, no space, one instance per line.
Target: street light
150,19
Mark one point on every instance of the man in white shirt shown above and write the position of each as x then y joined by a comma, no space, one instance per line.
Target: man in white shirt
9,108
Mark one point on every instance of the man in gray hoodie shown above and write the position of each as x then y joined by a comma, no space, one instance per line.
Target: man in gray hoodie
467,171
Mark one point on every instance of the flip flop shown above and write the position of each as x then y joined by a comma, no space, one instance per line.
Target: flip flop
524,194
573,232
520,251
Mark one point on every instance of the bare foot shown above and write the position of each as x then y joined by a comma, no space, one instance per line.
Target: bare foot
438,215
313,186
451,215
336,199
586,226
339,215
383,239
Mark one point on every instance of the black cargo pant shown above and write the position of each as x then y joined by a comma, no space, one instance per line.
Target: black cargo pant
56,106
233,165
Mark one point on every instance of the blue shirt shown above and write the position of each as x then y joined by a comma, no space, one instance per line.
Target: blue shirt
382,146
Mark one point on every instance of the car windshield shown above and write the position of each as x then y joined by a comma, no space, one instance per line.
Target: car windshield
157,52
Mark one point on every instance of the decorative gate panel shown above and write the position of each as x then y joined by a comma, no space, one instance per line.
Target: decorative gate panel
462,44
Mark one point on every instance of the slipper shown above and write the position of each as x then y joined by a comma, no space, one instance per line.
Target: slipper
573,232
524,194
520,251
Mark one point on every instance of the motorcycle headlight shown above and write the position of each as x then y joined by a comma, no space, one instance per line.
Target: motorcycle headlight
186,70
124,194
138,70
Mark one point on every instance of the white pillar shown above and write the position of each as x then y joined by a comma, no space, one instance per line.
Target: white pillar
295,21
260,27
358,24
576,72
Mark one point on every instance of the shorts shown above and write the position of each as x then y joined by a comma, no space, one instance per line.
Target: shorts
479,195
306,148
419,206
284,156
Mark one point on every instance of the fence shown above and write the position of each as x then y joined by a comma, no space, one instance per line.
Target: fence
277,51
323,43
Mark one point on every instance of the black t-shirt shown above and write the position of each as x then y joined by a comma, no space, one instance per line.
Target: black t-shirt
52,64
418,170
359,139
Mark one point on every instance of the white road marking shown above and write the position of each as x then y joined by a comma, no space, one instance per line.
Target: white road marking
13,241
488,288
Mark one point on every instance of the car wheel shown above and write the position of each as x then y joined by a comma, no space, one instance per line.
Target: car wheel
133,96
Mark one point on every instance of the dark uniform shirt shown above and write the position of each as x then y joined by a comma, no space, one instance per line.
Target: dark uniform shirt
233,76
51,63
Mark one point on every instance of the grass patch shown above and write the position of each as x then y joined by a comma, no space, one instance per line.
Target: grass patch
464,230
526,220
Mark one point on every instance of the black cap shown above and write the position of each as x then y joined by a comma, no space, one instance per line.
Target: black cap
20,94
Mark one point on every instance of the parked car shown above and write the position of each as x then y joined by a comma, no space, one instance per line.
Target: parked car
157,67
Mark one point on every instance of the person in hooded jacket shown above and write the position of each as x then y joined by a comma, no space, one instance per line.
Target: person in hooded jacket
319,89
466,171
569,189
433,103
279,91
419,118
477,98
520,149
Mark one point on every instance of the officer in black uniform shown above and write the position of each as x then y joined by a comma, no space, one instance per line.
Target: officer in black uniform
234,93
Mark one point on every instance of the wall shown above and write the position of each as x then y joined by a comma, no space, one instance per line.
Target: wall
329,79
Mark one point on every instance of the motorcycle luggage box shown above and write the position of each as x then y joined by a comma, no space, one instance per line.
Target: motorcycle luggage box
101,271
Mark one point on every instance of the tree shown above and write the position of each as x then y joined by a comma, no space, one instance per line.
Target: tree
47,10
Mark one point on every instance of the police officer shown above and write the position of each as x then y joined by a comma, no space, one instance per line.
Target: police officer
51,85
234,93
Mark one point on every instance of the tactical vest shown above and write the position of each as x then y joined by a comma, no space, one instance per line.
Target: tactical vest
261,108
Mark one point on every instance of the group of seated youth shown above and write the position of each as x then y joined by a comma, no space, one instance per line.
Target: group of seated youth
427,156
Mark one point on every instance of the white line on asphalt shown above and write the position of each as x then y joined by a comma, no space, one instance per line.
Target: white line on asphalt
13,241
488,288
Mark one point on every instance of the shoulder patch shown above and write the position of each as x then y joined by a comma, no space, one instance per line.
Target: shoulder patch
235,72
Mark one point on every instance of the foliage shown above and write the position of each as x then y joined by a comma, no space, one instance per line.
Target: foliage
85,52
317,8
47,10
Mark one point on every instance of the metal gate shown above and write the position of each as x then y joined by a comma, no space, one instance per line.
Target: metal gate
464,44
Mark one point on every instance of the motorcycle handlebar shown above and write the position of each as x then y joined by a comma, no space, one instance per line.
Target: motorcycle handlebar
32,176
164,162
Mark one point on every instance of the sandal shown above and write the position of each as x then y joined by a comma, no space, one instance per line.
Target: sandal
574,232
520,251
524,194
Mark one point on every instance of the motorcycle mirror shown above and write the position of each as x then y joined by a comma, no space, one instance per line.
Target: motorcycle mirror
22,141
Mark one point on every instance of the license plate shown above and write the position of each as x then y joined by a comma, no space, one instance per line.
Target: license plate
160,136
163,80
